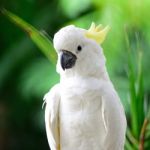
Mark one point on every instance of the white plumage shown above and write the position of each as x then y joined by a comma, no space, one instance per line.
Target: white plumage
83,111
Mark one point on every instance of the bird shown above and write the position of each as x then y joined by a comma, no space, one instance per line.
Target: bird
83,110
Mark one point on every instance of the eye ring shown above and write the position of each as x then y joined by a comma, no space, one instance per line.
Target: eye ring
79,48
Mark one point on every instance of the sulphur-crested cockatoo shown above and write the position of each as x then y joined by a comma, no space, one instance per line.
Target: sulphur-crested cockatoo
83,111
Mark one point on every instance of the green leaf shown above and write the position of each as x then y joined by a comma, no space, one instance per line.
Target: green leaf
132,90
132,139
140,87
44,44
128,146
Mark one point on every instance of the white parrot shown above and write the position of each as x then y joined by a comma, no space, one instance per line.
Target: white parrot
83,111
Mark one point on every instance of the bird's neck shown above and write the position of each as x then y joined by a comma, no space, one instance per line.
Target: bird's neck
100,75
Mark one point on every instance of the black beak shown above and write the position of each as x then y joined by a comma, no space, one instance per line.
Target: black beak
67,59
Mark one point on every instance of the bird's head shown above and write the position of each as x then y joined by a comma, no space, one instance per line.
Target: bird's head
79,52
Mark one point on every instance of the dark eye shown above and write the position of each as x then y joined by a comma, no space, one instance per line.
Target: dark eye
79,48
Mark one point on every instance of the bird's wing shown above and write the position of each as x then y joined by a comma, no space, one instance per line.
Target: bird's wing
114,120
52,100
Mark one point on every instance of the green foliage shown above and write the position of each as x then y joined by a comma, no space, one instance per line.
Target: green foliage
136,94
74,8
44,44
138,113
31,75
25,75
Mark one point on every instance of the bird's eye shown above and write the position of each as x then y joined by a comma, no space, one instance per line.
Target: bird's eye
79,48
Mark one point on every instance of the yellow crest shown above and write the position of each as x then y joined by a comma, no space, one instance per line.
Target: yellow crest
97,33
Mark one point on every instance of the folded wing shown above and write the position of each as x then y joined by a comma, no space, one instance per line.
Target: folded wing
114,120
52,100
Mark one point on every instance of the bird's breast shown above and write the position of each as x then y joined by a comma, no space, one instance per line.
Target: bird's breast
77,99
81,115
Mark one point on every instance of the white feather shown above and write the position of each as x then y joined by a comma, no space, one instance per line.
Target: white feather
52,117
84,111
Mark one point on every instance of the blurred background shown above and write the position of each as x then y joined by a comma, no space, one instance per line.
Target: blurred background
26,74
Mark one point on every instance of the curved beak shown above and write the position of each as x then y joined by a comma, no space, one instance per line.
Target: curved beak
67,59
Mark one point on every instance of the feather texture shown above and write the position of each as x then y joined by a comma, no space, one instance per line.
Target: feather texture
83,111
52,99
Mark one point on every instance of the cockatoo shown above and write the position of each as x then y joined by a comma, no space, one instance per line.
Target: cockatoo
83,111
